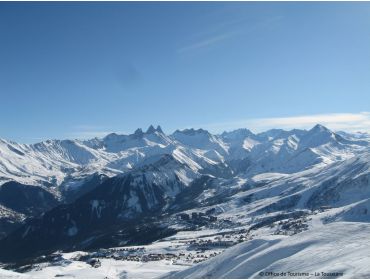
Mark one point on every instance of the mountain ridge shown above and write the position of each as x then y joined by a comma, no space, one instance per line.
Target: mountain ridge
106,188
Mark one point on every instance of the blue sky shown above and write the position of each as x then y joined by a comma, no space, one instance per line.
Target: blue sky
78,70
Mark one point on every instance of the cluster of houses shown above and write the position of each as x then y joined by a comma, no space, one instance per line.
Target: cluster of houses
124,254
291,226
147,257
176,259
196,257
196,252
158,257
197,217
211,244
131,254
221,242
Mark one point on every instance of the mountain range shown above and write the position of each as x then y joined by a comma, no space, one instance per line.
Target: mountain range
125,190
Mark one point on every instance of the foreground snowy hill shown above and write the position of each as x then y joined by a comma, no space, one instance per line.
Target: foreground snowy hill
322,252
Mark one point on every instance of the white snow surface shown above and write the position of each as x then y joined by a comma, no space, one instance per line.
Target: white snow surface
334,248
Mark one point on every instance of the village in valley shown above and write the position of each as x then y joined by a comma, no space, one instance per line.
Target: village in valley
203,235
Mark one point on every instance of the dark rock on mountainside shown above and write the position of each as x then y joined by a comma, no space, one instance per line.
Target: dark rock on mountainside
18,201
114,203
126,209
90,183
25,199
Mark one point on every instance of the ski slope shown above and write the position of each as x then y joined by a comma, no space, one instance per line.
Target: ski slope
340,247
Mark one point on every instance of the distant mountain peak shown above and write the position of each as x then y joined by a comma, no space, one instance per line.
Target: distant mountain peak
319,128
192,131
241,132
150,129
138,132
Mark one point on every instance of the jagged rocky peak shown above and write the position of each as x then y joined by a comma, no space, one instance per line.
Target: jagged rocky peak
238,131
192,131
152,130
138,132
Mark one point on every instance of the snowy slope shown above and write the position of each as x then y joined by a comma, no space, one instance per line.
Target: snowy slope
333,248
7,274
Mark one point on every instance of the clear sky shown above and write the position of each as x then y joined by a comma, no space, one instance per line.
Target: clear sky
78,70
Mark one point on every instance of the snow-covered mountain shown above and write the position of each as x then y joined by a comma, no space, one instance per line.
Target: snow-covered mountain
135,189
53,163
67,168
